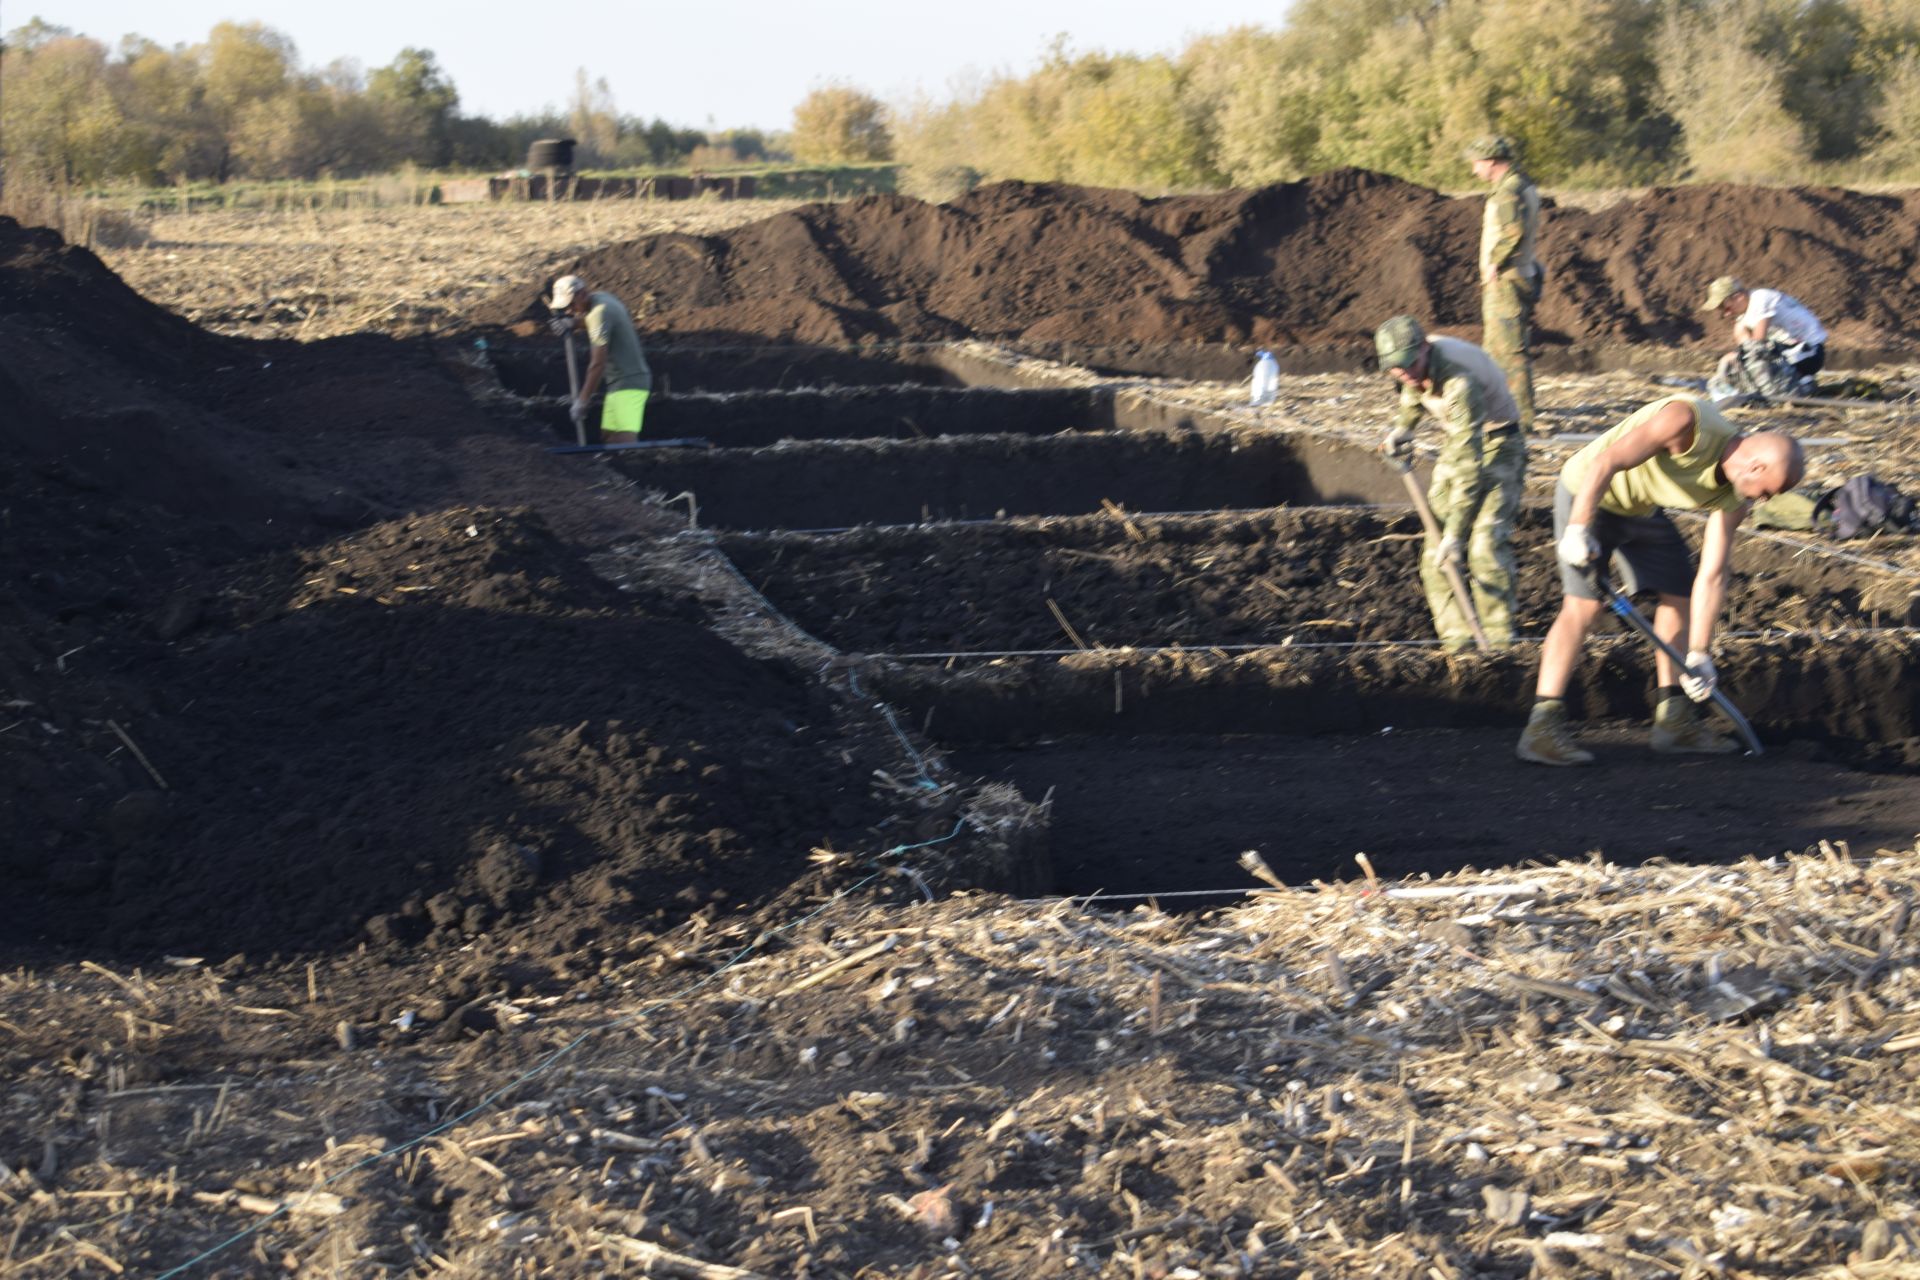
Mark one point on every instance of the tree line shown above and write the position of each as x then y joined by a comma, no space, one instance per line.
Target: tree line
239,104
1597,92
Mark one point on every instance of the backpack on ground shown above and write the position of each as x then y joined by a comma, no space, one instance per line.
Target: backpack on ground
1866,504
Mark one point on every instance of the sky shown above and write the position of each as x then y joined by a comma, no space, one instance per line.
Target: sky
710,64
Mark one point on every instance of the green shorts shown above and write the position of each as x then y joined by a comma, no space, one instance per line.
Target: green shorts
622,411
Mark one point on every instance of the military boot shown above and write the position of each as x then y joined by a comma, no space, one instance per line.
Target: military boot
1546,740
1679,730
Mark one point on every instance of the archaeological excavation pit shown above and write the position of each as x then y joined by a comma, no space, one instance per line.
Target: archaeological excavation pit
1235,722
836,484
1295,575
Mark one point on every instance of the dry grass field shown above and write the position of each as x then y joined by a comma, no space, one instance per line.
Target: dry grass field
404,270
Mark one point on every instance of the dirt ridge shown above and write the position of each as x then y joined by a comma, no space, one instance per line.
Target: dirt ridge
1315,262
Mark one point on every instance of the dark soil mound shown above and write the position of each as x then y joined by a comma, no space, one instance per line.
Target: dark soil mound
1321,261
224,725
443,718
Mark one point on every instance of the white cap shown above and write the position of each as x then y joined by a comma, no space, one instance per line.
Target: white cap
564,290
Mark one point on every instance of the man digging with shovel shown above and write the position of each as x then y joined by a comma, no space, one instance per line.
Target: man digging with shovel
1678,452
1476,482
616,358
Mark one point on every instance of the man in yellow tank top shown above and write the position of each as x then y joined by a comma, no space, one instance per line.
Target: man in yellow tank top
1678,452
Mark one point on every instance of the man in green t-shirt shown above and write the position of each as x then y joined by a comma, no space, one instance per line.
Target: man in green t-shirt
1678,452
616,358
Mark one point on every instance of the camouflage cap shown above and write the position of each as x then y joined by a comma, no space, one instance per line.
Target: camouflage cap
1398,342
1720,290
1493,146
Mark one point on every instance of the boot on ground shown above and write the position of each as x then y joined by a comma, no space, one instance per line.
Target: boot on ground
1678,730
1547,740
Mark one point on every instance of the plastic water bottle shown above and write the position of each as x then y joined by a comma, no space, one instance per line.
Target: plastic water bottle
1266,379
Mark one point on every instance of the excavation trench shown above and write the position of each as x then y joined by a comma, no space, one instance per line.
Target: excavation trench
1304,714
1162,767
816,485
1199,638
1291,575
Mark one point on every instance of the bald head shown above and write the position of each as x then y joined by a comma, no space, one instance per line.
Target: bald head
1764,464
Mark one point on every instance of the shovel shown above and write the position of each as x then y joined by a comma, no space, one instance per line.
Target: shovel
1448,568
573,383
1618,602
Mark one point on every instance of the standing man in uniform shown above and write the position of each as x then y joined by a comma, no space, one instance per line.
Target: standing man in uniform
1477,480
616,357
1510,272
1678,452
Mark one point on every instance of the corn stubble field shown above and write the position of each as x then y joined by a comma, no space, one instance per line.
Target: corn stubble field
406,269
1571,1068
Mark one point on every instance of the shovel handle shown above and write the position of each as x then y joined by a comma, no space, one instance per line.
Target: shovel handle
1448,569
573,385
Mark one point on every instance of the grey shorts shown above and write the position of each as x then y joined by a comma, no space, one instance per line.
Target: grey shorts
1647,552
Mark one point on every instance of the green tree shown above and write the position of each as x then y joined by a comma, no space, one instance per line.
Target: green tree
420,102
58,114
839,124
174,134
243,67
594,120
1124,121
1727,97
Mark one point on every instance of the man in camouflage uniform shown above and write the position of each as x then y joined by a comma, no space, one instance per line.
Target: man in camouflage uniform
1477,480
1510,273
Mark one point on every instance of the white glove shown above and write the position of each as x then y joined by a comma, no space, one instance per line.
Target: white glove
1699,680
1450,551
578,411
1398,444
560,326
1578,547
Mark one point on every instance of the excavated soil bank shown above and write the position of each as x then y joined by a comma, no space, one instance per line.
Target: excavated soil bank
539,368
1144,815
253,703
1854,692
817,485
752,419
1318,262
1280,577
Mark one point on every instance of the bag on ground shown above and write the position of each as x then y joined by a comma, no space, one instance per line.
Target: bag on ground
1867,504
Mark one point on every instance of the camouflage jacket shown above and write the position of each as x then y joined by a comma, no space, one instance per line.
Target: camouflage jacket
1512,225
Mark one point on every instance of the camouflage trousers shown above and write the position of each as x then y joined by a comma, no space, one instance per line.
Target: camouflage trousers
1506,313
1493,502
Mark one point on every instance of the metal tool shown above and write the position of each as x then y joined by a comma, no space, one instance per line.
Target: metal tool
573,382
1448,569
1618,602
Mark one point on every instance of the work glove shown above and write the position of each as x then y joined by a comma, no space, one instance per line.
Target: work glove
560,326
1398,444
578,411
1451,550
1578,547
1699,680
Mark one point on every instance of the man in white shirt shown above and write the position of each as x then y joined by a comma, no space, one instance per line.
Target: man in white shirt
1773,328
